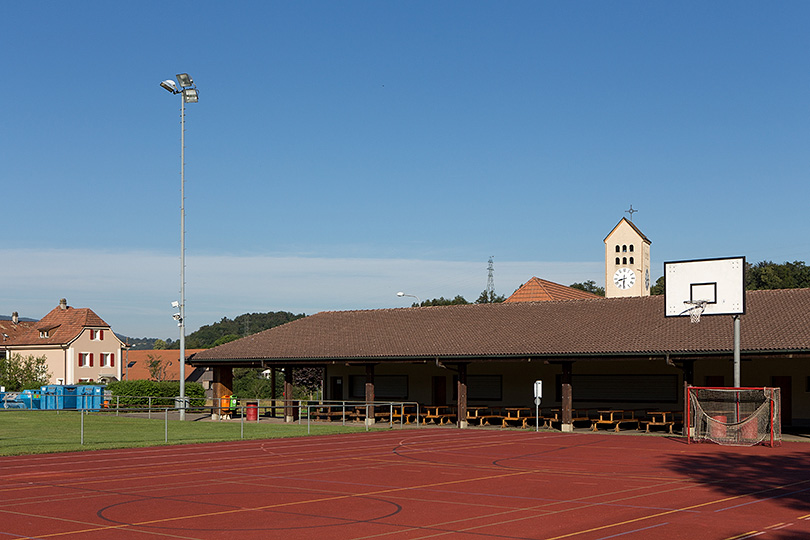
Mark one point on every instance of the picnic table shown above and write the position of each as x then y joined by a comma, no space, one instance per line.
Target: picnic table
662,418
439,414
519,416
405,413
483,415
577,415
615,418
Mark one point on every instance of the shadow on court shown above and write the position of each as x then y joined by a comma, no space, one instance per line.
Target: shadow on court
785,478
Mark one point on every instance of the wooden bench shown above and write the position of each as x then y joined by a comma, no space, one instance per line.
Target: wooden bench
615,419
666,419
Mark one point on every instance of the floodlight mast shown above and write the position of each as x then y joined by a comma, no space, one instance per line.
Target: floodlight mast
188,94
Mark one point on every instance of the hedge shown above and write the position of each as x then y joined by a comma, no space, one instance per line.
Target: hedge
137,393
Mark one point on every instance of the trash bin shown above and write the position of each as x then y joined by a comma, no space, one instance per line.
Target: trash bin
225,403
252,411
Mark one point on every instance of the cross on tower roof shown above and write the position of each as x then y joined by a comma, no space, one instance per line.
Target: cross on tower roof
631,212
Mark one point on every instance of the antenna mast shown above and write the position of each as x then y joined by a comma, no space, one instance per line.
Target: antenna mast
490,280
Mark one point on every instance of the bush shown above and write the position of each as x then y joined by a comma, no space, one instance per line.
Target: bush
137,393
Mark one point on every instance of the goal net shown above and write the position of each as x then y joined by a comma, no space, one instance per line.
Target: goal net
734,416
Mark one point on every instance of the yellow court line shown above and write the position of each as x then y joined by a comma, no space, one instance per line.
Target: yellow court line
254,509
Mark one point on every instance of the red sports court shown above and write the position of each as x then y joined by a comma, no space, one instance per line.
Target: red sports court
415,484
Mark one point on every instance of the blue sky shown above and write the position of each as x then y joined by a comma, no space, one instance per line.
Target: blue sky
343,151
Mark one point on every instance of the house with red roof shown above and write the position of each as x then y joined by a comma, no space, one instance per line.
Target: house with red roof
541,290
77,344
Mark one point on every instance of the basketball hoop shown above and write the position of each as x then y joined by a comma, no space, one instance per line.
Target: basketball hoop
696,309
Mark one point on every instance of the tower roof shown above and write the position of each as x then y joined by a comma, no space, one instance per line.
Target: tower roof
632,225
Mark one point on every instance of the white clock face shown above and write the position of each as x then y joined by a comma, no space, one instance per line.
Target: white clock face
624,278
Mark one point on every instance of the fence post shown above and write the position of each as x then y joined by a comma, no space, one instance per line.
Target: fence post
81,414
242,422
166,425
149,410
116,405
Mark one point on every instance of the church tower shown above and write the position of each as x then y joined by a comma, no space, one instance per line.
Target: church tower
627,261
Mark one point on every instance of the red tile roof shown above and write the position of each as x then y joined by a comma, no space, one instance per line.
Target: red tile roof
141,368
62,324
776,322
541,290
13,331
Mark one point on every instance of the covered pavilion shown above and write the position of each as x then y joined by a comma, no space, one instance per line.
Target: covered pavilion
621,350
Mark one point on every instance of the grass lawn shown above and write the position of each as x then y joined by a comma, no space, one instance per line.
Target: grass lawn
39,432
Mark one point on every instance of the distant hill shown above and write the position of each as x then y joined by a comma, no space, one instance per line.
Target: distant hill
221,332
8,318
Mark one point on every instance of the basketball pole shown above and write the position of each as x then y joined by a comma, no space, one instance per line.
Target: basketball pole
736,350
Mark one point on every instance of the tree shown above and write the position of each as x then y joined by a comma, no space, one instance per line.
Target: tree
769,275
589,286
19,373
487,297
442,301
159,344
226,339
157,367
659,287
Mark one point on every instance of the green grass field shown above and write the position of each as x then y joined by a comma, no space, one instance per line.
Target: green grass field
39,432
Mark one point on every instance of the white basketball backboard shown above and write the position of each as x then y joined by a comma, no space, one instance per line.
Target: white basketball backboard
718,282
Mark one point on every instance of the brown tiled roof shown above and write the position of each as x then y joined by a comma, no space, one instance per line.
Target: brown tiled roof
776,322
62,325
13,331
541,290
141,369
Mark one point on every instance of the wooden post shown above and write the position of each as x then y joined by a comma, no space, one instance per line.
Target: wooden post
566,424
290,412
369,394
461,419
221,385
273,392
688,380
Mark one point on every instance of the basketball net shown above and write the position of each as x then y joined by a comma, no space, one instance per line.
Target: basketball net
696,310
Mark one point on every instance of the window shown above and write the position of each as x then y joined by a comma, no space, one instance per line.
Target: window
481,387
44,333
617,248
624,249
107,360
85,359
623,388
385,386
96,335
624,260
631,248
631,260
618,260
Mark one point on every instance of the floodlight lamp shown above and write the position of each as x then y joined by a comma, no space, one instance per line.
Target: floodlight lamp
176,316
400,294
169,85
185,80
190,95
175,304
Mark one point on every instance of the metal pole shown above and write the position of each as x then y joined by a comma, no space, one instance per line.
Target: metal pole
166,425
737,351
182,256
81,413
242,422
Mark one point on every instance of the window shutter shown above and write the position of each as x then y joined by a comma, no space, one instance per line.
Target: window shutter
91,359
112,359
101,335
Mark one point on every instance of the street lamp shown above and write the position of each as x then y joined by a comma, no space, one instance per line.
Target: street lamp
401,294
188,93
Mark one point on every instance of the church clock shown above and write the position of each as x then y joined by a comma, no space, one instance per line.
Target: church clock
624,278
